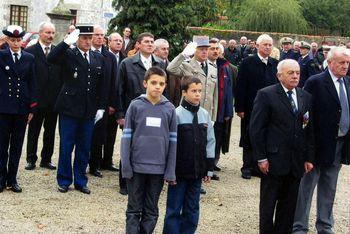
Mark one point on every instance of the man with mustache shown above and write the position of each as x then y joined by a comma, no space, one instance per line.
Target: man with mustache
48,81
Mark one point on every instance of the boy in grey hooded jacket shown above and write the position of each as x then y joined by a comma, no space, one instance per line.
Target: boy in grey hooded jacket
148,152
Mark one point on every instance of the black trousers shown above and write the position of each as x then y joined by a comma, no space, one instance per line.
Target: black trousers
43,117
278,193
12,129
102,146
143,196
219,135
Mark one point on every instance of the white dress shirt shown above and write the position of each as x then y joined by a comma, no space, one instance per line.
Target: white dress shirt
87,54
18,56
264,60
44,46
336,83
294,95
147,62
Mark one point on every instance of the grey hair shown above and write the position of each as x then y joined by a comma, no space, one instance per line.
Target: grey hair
337,50
159,42
45,23
221,47
112,35
263,37
232,41
96,26
284,63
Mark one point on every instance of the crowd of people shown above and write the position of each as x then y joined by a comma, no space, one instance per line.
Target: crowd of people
175,116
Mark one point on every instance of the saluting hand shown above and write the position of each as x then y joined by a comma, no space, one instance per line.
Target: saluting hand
72,37
189,49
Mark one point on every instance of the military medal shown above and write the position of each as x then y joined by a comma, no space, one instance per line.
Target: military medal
7,68
75,75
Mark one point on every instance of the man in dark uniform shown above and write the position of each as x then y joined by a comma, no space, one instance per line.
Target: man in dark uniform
287,49
97,156
80,103
17,100
255,73
129,80
308,67
49,83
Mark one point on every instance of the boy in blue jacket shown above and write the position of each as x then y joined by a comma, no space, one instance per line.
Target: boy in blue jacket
148,152
194,160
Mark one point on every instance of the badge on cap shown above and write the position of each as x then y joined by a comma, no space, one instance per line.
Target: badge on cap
7,68
75,75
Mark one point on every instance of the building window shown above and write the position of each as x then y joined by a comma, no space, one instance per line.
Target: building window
19,16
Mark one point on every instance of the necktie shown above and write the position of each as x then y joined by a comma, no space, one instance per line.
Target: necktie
47,50
16,57
344,118
204,68
264,60
85,56
292,103
97,51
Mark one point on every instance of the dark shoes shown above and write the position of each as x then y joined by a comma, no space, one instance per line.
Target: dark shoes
30,166
83,189
62,188
110,168
215,177
203,191
123,191
216,168
96,173
246,174
49,166
15,188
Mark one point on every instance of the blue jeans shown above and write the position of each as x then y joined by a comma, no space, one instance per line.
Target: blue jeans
74,132
182,209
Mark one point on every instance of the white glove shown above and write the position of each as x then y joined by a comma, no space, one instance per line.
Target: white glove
99,115
72,37
189,49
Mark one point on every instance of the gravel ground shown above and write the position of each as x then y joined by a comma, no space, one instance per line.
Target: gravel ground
230,206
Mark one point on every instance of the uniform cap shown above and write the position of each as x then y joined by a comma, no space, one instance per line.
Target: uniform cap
14,31
85,29
201,41
305,45
285,40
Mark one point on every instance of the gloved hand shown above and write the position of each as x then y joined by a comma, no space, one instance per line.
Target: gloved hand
189,49
99,115
72,37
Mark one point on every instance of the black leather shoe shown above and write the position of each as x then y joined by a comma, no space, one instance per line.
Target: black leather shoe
2,188
15,188
215,177
63,188
203,191
123,191
246,175
110,168
83,189
30,166
96,173
216,168
49,166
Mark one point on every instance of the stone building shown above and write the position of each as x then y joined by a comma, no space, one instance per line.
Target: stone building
29,13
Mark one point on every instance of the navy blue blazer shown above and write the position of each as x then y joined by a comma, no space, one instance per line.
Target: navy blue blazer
326,113
17,83
308,68
84,87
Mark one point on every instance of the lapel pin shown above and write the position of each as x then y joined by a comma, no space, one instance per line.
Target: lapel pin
7,68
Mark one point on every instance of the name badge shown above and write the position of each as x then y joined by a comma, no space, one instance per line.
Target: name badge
153,122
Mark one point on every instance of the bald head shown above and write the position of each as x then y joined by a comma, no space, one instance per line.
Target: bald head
288,73
115,42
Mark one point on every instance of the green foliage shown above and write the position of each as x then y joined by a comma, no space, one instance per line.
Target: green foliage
166,19
327,15
271,16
